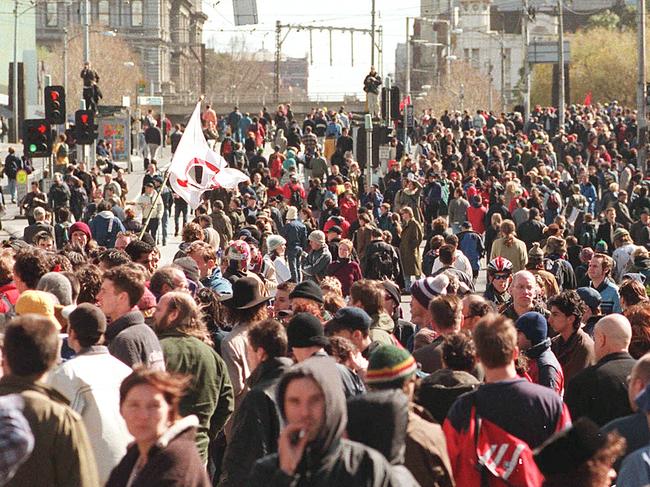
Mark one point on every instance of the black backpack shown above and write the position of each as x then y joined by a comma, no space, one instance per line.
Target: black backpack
380,264
296,199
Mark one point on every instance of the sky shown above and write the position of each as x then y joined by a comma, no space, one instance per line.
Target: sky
325,81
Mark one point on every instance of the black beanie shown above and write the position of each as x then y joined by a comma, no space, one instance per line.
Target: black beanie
308,290
305,330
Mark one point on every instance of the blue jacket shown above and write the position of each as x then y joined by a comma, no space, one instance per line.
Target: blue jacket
589,191
295,233
610,300
104,227
217,282
471,244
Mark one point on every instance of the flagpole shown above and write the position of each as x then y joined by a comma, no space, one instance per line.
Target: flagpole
153,204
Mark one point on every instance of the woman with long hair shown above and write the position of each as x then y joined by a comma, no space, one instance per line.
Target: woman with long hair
277,247
510,247
164,451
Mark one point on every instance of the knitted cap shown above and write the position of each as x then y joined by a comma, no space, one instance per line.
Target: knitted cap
601,246
533,325
238,250
81,227
317,236
57,284
427,288
274,241
292,213
535,254
567,450
305,330
389,363
307,290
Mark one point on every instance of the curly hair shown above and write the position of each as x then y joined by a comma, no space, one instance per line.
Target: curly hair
30,265
90,282
458,352
569,303
639,317
331,284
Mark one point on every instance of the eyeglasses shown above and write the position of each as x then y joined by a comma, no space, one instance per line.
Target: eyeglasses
501,277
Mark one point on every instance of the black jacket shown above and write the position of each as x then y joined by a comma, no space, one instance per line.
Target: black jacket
328,460
256,424
600,391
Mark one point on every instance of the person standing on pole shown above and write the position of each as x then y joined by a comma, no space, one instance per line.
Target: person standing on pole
91,93
371,85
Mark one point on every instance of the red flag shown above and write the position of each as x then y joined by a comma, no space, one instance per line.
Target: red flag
406,101
588,99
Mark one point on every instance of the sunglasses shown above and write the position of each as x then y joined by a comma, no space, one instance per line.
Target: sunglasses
501,277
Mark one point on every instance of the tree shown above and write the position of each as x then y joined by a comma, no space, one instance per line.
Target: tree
470,88
603,62
238,75
114,60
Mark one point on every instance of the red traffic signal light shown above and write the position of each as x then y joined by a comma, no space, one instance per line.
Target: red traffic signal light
55,104
84,127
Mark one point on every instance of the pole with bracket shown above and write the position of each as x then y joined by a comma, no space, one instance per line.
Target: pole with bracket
368,128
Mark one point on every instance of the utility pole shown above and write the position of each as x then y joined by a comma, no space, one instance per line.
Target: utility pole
642,115
407,84
526,37
372,34
65,59
15,78
278,47
561,101
86,26
503,74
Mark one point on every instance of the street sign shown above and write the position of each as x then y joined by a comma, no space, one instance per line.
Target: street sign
410,116
150,100
543,52
21,176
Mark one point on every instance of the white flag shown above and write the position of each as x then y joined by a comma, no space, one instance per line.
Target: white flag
192,153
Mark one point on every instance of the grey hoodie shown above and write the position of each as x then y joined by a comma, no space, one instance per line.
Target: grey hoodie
329,460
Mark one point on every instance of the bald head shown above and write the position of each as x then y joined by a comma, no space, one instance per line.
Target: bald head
612,334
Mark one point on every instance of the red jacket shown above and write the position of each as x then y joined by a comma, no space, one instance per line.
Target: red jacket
289,188
476,216
349,208
11,293
346,272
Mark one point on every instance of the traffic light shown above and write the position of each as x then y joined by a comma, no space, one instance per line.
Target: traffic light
84,124
55,104
37,138
394,103
384,102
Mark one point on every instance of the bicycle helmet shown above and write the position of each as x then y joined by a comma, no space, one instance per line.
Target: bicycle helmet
499,264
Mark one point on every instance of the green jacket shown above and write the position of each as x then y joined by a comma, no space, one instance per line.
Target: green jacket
62,453
210,396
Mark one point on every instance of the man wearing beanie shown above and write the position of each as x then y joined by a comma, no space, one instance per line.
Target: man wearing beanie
391,367
422,292
532,338
314,264
535,266
295,233
307,339
92,392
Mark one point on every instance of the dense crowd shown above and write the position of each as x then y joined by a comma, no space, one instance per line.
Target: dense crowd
273,350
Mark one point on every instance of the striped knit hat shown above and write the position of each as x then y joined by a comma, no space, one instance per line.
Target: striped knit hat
388,364
427,288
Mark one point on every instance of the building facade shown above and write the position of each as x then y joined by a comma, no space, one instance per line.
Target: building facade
167,34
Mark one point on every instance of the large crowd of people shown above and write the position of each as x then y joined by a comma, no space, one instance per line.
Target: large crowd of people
274,349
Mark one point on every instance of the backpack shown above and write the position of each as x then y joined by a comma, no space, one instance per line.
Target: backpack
296,198
588,237
380,264
553,203
62,151
555,268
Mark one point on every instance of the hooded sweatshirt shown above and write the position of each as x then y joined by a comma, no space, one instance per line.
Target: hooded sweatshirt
329,459
105,226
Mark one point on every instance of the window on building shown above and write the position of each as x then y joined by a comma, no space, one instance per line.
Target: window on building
137,18
476,58
507,66
103,12
51,14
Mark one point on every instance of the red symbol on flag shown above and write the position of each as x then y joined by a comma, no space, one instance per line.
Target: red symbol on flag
194,163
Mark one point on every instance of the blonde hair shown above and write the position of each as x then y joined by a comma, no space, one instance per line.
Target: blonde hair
508,231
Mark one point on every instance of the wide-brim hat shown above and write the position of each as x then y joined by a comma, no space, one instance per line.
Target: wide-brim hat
245,294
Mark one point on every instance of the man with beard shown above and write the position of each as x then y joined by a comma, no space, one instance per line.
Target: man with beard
182,335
